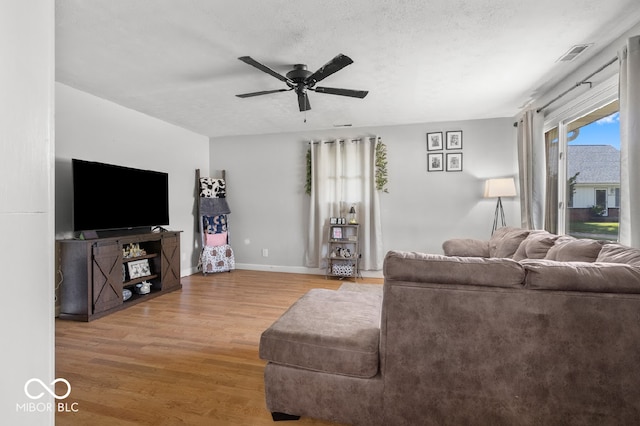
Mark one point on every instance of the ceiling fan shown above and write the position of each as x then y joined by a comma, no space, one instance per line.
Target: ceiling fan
301,80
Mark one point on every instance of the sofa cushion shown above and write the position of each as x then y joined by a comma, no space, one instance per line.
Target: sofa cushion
535,246
545,274
569,249
467,247
439,269
618,253
330,331
505,241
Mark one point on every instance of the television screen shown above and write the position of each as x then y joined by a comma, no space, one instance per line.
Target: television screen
107,196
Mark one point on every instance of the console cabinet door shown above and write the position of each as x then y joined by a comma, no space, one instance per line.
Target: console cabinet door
170,262
106,275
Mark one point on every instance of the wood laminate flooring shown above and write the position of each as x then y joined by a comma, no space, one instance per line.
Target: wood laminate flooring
189,357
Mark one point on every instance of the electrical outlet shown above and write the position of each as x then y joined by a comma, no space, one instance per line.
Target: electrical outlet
265,252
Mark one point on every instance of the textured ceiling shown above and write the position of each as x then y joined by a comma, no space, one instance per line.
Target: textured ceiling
421,60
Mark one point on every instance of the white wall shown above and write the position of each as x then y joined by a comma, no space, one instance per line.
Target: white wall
91,128
266,175
26,206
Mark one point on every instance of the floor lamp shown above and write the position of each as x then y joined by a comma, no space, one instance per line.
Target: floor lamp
503,187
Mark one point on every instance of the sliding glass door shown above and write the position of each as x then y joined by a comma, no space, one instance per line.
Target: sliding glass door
583,158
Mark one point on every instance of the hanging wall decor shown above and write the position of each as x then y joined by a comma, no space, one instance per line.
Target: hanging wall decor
454,162
435,162
381,166
434,141
307,185
454,140
444,161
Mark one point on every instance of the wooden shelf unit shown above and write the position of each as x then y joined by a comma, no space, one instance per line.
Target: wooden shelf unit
343,237
94,273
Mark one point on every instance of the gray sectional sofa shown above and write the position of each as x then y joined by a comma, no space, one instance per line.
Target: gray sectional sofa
527,328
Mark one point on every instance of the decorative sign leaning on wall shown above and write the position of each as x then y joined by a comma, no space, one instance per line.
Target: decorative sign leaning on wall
436,159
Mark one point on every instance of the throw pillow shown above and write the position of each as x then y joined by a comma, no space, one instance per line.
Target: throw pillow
581,276
466,247
438,269
575,250
617,253
505,241
535,246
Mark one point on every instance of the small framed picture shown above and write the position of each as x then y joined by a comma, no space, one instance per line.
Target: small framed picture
454,140
333,220
434,141
139,268
454,162
336,233
435,162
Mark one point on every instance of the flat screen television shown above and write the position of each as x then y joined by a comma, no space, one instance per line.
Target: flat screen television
110,197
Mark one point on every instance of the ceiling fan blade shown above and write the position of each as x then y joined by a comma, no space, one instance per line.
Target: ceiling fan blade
303,101
334,65
342,92
264,92
249,60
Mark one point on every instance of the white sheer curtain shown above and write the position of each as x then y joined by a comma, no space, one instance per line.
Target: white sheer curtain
629,87
342,175
532,171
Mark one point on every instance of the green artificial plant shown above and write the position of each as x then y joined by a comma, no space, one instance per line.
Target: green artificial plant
381,166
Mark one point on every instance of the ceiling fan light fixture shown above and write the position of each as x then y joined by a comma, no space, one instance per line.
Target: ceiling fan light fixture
301,80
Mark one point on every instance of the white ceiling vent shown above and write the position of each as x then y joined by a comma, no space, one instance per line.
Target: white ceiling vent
574,52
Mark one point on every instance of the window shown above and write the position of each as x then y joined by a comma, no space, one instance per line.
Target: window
583,163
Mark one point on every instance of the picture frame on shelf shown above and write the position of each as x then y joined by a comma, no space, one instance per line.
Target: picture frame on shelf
138,268
454,140
435,162
336,233
434,141
454,162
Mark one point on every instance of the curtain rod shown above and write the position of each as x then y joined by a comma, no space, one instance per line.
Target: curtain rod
578,84
342,140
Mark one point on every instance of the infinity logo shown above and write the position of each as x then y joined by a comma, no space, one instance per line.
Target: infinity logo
51,389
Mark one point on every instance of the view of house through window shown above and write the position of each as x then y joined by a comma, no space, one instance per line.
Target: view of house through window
593,174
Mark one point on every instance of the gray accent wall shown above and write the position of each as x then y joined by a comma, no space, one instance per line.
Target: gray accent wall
266,176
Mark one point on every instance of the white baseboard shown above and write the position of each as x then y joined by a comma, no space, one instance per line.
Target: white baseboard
299,270
285,269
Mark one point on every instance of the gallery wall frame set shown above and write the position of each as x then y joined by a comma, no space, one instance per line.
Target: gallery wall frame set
439,161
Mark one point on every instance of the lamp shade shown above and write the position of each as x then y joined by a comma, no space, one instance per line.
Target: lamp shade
503,187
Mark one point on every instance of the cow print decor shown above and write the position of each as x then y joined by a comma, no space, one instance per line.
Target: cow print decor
213,188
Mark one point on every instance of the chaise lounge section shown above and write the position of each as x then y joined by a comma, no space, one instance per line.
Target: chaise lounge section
527,328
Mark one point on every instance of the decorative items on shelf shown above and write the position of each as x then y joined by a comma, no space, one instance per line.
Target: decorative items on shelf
338,220
437,161
352,215
143,288
139,268
341,252
343,270
133,250
126,294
